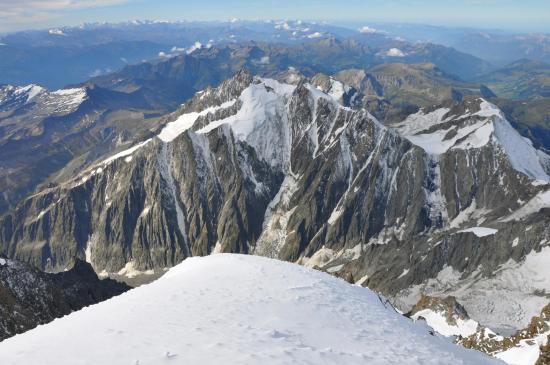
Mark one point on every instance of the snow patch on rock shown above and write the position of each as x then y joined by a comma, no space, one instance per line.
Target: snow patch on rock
480,231
438,321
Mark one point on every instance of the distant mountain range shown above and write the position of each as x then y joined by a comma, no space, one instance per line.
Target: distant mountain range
55,58
496,46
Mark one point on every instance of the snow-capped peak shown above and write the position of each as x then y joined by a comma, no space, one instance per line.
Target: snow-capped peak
29,91
440,130
237,309
44,102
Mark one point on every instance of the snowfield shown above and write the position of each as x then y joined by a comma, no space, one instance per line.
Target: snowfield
233,309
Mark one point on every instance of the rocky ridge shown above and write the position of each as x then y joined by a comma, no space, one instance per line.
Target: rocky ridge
30,297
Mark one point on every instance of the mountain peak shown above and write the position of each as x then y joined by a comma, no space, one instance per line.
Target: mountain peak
474,126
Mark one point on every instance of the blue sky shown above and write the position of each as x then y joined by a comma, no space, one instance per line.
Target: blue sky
528,15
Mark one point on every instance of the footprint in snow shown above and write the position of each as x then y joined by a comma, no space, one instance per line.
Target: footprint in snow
170,355
277,334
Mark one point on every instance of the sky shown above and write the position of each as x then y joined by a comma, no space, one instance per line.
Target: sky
524,15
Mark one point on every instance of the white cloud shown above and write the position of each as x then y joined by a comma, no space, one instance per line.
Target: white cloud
26,12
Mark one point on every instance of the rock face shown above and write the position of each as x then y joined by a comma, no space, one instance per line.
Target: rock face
29,297
446,200
544,357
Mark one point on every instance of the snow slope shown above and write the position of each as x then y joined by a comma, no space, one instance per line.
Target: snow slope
240,310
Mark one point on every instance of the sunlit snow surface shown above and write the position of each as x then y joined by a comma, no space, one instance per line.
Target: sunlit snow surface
480,231
231,309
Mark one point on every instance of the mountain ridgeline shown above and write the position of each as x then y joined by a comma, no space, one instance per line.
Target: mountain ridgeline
290,170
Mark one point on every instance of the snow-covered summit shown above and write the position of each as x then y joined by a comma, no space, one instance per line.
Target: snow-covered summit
236,309
445,129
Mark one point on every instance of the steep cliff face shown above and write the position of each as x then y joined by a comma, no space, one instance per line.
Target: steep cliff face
287,171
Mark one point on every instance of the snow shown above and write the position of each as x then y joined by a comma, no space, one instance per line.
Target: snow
438,321
362,280
256,100
130,271
186,121
2,261
472,212
538,202
320,258
436,143
235,309
315,35
366,29
337,90
257,105
217,248
404,273
395,52
34,91
125,153
521,355
521,154
88,250
56,32
71,97
262,121
479,137
480,231
335,215
31,91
